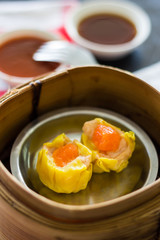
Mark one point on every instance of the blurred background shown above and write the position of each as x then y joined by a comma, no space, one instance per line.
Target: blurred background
43,14
50,16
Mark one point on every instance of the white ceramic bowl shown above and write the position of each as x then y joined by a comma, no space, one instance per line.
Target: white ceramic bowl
124,9
14,81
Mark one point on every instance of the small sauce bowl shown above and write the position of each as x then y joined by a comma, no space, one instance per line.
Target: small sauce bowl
16,50
90,23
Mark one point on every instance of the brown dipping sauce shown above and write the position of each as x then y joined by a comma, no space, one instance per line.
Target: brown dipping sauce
16,58
107,29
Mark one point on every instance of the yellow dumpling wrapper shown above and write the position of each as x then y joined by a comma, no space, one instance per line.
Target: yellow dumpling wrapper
72,177
105,162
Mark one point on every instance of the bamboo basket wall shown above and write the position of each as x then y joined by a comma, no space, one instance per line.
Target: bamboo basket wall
28,216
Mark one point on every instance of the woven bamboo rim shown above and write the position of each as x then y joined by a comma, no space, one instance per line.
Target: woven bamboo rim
57,220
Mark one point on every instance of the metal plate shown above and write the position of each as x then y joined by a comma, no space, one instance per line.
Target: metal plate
141,170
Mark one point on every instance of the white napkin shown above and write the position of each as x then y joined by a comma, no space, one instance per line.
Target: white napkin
43,15
151,75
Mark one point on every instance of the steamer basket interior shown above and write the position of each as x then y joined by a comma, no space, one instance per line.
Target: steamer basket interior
100,87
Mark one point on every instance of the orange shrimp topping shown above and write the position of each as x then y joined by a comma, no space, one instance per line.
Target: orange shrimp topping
65,154
106,138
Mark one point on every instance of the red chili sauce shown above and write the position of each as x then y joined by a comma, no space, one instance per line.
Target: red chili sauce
16,58
107,29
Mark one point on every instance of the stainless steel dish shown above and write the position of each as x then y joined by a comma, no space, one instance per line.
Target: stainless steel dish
142,169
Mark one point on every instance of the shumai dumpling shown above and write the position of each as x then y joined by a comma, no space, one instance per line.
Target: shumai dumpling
64,166
111,148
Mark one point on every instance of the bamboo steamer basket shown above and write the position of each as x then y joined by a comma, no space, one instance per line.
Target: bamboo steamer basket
25,214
